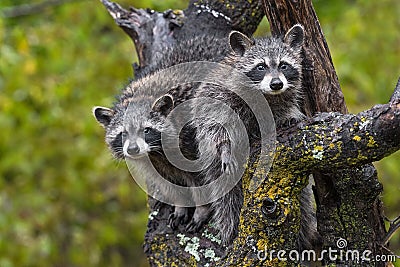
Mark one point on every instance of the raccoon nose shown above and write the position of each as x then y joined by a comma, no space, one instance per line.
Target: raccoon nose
133,149
276,84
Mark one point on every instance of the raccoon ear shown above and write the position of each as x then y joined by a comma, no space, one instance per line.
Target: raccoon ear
239,42
295,37
103,115
163,104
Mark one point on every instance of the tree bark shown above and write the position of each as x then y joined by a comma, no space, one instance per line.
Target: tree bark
347,199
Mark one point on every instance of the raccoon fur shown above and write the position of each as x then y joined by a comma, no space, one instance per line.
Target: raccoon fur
274,66
149,106
197,48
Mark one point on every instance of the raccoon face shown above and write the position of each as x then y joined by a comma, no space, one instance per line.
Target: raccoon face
273,77
135,131
134,144
273,65
142,132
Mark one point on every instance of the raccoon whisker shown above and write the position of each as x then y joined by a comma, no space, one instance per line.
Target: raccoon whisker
154,147
154,142
249,82
118,162
119,150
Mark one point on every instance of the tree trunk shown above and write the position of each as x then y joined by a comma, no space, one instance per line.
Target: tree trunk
334,147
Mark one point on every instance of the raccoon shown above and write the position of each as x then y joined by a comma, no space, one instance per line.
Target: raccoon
146,115
140,136
274,67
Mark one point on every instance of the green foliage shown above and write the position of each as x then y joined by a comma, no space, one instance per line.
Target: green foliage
63,200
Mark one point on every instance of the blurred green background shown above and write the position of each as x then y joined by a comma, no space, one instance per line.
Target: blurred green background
63,200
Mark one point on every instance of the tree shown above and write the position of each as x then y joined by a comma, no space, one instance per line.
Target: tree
337,148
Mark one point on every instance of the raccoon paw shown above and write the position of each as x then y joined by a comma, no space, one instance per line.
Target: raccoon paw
200,217
179,216
228,162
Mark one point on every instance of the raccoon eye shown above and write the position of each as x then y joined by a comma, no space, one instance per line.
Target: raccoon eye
284,66
147,130
260,67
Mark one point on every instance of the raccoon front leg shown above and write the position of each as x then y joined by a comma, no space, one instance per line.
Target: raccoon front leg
226,212
202,213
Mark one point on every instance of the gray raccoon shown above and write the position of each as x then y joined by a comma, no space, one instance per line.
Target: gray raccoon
274,66
142,135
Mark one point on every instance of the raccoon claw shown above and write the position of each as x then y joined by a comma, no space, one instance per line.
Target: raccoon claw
179,216
194,226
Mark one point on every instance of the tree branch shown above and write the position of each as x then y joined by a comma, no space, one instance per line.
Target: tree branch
346,140
396,95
